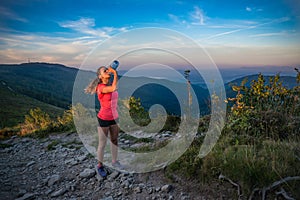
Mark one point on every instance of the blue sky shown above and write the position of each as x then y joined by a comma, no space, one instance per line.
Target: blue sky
234,32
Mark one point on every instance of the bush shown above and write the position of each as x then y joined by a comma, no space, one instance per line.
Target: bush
36,120
259,143
137,112
66,123
38,123
8,132
265,110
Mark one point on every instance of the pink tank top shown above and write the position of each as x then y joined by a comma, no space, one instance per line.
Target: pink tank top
108,103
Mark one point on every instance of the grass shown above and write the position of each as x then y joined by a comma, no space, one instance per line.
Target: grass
15,106
252,166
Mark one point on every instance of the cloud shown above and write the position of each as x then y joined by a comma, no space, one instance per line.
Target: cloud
77,25
195,17
268,34
290,33
17,48
198,16
73,51
253,9
7,13
251,25
88,26
232,24
248,9
176,19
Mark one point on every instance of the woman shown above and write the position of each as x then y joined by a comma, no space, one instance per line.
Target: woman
107,115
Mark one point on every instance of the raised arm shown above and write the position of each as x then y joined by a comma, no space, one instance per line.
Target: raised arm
113,86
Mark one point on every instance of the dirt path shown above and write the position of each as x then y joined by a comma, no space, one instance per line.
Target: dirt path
59,167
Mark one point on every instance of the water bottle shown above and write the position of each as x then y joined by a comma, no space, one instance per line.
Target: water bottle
114,64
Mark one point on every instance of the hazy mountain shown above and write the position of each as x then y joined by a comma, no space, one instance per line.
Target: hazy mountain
171,95
287,81
54,84
50,83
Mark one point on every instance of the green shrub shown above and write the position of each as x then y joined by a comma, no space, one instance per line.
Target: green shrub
259,142
37,123
137,112
265,110
66,123
36,120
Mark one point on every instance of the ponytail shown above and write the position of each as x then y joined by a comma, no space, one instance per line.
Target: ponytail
91,88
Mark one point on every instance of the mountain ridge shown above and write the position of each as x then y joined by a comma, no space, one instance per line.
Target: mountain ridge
53,84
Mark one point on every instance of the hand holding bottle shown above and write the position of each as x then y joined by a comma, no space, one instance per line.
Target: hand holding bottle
114,64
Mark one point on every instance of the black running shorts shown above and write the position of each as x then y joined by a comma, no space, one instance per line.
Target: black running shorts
106,123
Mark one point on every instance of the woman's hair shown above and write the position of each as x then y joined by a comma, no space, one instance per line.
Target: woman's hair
91,88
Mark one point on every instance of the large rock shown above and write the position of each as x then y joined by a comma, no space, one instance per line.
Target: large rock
166,188
87,173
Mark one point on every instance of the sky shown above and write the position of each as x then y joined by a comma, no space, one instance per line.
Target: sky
233,32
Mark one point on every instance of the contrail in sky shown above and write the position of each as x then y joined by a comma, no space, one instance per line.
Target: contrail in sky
250,27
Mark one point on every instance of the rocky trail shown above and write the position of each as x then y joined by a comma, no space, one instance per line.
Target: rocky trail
59,167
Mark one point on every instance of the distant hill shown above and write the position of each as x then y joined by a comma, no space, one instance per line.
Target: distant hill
14,106
287,81
53,84
163,92
50,83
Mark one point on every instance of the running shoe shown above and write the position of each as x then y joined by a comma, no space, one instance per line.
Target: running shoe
101,171
118,165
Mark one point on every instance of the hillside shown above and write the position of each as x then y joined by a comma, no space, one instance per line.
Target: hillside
50,83
14,106
53,84
163,92
258,151
287,81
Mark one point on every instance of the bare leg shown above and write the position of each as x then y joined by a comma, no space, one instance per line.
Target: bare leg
114,133
102,134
